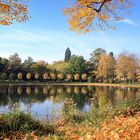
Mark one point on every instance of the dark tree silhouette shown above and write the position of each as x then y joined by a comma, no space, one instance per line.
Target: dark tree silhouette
67,55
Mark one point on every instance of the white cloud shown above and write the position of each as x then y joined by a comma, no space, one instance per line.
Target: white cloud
129,21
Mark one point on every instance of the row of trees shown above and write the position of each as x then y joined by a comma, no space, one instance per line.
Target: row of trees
45,77
102,67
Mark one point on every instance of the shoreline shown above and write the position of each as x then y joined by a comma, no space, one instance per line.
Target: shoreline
68,84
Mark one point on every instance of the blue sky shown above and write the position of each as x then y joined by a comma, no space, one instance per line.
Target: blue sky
46,35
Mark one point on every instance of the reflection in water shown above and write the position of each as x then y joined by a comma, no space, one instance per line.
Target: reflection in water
44,100
36,90
19,90
76,89
28,90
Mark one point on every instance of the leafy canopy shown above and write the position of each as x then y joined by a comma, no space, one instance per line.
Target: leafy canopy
13,10
89,15
84,15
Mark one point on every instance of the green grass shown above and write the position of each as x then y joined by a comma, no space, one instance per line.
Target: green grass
22,122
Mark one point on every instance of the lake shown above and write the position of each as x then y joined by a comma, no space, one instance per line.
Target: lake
46,102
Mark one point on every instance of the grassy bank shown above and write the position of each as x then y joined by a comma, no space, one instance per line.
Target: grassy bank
135,85
121,122
18,125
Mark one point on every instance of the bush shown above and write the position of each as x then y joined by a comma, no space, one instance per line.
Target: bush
76,77
45,76
37,76
12,76
28,76
3,76
69,77
60,76
84,77
53,76
20,76
70,112
90,79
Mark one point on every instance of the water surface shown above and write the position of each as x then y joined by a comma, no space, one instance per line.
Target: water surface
47,101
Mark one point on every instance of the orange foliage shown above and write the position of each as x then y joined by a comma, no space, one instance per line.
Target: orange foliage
87,15
13,10
118,128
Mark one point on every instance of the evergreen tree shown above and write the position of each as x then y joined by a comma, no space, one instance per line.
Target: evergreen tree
67,55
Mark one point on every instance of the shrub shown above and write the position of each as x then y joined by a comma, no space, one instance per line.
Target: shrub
28,76
53,76
69,77
60,76
70,112
76,77
12,76
84,77
3,76
90,79
36,76
45,76
20,76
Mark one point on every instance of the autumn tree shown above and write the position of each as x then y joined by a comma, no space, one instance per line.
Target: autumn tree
126,67
83,15
105,68
67,55
138,74
60,66
13,10
39,67
90,15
